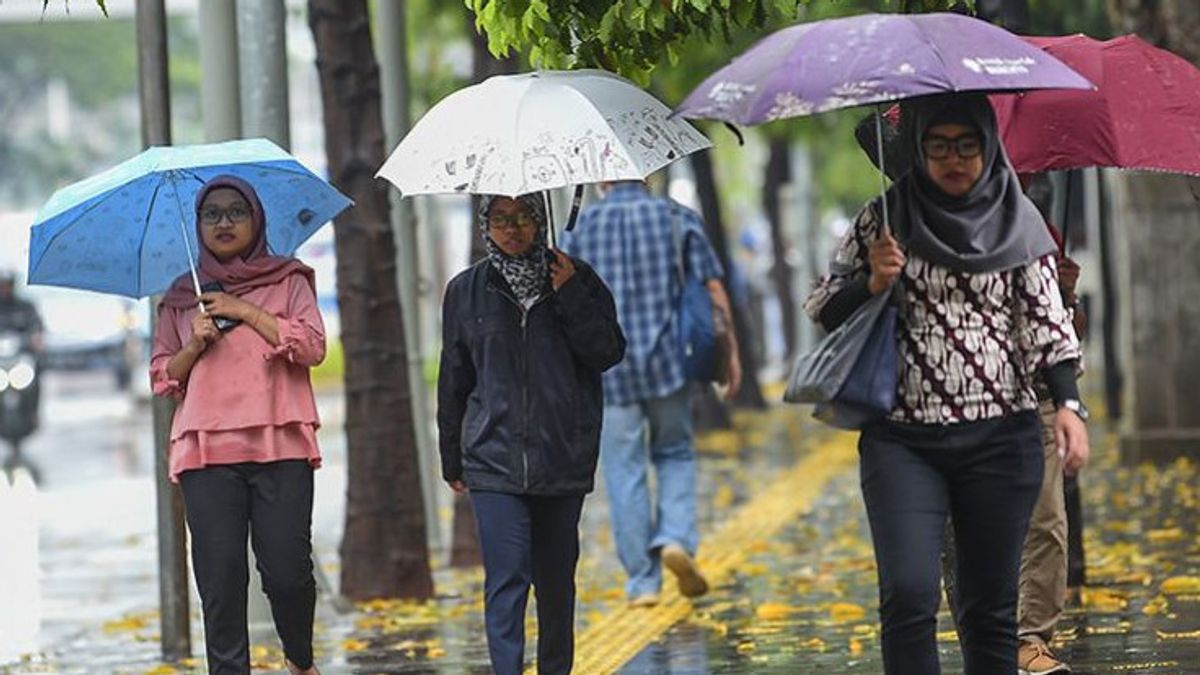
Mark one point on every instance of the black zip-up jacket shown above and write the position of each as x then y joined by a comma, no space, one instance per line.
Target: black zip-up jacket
519,396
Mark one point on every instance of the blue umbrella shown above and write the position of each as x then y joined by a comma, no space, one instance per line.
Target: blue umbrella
131,230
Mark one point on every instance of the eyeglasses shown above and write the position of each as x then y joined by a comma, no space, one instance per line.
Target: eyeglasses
966,146
515,221
211,215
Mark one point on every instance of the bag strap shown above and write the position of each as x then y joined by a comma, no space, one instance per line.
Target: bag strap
678,244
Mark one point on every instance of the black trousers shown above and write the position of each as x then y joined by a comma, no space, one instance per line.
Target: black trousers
529,540
272,503
985,477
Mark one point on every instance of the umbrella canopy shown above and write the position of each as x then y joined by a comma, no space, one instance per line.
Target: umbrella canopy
131,230
1144,114
871,58
516,134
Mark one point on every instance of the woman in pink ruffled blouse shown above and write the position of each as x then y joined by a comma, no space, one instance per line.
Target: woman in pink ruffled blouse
243,441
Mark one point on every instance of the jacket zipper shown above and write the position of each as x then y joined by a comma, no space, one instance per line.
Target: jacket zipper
525,381
525,395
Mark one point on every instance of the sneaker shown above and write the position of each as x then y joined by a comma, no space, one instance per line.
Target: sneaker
691,583
1035,658
644,600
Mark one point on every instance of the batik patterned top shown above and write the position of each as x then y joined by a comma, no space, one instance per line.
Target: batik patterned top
970,345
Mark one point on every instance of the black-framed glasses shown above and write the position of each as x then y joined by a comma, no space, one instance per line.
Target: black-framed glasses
513,221
237,213
966,146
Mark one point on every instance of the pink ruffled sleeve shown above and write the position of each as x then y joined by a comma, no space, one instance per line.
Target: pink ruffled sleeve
167,344
301,329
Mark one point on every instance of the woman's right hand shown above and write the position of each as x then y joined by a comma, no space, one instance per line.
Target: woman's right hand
886,260
204,332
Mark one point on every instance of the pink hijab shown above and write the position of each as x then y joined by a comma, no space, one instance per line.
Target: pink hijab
253,269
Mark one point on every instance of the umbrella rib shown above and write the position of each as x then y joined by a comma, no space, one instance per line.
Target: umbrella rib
145,232
934,48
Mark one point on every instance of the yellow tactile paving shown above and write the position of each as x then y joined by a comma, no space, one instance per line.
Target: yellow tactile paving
615,639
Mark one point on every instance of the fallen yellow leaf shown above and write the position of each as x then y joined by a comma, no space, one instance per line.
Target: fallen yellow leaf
353,645
1105,600
1183,635
773,611
754,569
1181,585
815,644
1156,606
1165,535
846,612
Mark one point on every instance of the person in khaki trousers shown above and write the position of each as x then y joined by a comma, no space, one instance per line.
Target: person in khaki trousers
1043,586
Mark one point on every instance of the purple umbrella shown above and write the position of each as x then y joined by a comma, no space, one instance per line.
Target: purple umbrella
841,63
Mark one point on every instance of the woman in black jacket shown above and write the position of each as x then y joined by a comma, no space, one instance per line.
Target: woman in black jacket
526,334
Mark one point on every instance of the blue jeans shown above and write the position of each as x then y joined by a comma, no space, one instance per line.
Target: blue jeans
664,427
528,540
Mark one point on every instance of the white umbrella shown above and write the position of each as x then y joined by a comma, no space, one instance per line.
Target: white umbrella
515,134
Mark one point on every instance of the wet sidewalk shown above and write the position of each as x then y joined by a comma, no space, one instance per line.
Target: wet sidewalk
806,602
786,545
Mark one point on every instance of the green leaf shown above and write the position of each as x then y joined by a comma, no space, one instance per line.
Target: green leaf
658,18
608,23
672,54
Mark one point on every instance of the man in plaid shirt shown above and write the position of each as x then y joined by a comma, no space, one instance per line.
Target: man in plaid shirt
632,239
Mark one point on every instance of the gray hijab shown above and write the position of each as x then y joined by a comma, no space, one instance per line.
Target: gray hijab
992,228
528,274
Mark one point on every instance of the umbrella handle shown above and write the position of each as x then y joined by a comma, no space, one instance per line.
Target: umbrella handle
887,225
187,244
576,202
549,205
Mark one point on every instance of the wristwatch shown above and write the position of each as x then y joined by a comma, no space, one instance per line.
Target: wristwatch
1076,406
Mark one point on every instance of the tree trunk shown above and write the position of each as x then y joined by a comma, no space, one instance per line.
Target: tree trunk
384,551
777,173
1156,215
710,208
1171,24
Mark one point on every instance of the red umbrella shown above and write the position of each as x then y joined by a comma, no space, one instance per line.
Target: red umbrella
1144,114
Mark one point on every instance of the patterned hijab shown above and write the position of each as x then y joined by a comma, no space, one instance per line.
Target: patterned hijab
992,228
527,274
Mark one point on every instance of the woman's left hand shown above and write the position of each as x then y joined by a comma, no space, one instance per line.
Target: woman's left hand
1071,440
228,306
561,269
